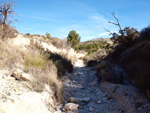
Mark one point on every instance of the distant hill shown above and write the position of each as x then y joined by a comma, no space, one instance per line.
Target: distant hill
103,39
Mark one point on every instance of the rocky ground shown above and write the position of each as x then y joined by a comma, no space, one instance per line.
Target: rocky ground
83,90
18,95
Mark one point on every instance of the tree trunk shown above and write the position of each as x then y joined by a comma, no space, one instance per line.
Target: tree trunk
5,18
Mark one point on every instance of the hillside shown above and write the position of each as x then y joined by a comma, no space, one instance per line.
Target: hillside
103,39
82,92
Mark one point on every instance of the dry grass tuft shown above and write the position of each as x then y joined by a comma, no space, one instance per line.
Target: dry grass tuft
36,59
47,75
10,56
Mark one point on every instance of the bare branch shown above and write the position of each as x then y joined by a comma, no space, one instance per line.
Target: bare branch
112,23
118,24
108,30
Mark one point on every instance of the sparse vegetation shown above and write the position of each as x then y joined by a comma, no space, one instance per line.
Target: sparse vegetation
92,46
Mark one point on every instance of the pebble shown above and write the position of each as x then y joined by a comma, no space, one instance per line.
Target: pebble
99,102
139,109
77,100
79,73
86,100
91,109
104,100
71,106
97,93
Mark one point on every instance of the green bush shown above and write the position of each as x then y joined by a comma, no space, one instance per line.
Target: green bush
89,51
94,46
73,38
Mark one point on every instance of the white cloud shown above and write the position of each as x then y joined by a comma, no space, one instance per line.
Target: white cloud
103,34
98,18
40,18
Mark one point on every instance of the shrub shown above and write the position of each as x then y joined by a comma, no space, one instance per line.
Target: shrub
93,45
130,34
7,32
28,34
89,51
145,33
48,35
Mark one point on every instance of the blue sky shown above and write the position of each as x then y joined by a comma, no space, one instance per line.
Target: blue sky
86,17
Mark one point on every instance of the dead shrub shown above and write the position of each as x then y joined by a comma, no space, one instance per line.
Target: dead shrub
7,32
35,58
59,43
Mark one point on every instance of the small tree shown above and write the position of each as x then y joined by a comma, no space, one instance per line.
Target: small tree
47,35
6,18
73,38
6,8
